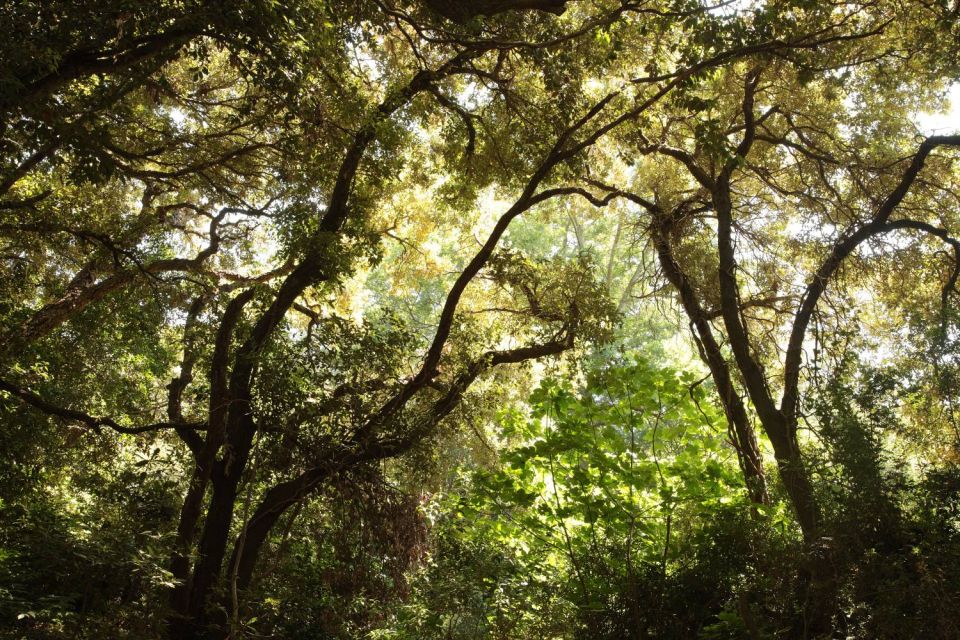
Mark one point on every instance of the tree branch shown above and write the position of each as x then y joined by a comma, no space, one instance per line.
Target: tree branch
841,250
93,422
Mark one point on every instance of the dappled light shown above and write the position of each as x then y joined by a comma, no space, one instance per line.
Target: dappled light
413,319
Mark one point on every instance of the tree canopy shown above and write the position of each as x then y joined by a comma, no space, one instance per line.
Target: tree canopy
494,319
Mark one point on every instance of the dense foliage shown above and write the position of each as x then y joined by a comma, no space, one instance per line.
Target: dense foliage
492,319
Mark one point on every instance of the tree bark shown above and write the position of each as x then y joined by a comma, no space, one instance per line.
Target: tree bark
748,451
189,617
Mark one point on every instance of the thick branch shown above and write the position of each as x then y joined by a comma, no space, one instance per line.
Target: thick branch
841,250
180,383
753,376
78,64
240,428
282,496
52,315
744,438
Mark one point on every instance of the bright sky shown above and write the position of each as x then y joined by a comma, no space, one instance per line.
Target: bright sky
944,123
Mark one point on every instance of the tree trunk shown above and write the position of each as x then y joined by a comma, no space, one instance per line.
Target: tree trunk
819,578
748,451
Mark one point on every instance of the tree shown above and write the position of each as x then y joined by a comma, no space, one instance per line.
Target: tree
374,413
789,146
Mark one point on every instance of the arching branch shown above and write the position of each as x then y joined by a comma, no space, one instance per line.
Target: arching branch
841,250
284,495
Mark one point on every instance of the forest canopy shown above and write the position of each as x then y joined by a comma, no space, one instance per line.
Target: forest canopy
560,319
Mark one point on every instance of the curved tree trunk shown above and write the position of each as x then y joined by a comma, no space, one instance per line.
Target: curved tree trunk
743,436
